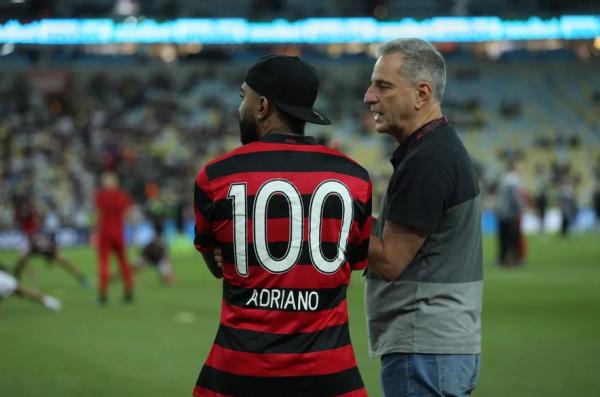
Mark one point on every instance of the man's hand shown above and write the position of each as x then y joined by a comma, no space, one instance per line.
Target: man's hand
213,264
218,257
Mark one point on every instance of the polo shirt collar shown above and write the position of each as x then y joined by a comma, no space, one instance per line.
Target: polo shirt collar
415,137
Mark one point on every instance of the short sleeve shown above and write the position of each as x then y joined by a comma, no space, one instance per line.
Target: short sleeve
204,238
419,193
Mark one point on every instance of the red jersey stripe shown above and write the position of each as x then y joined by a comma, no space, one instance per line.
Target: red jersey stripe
281,322
278,229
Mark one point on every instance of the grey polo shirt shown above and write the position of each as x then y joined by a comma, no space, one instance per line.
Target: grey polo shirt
435,305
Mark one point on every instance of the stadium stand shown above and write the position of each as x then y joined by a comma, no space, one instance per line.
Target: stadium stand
160,122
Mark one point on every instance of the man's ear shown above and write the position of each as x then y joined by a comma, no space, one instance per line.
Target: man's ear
264,108
424,93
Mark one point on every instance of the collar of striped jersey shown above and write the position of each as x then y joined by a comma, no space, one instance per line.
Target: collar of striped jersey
282,137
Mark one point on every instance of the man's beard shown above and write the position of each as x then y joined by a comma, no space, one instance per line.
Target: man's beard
248,131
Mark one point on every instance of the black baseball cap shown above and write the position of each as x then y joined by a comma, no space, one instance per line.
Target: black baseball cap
290,83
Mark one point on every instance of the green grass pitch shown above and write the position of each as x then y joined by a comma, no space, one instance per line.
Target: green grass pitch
541,328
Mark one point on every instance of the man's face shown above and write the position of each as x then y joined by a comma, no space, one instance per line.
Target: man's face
391,98
248,125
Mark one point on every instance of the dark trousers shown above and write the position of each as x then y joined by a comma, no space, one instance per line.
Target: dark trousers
541,203
565,225
509,238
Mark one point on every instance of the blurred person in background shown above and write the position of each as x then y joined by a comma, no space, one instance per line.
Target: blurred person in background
542,186
156,252
156,255
284,321
509,209
41,239
112,204
424,282
596,201
9,285
567,203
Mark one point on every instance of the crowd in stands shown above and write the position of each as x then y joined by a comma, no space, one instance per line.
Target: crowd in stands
157,126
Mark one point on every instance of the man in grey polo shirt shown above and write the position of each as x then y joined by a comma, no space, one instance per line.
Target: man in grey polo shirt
424,282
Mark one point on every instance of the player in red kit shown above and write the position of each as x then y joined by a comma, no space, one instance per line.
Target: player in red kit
292,220
111,205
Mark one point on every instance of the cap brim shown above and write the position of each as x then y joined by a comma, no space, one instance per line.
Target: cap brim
309,115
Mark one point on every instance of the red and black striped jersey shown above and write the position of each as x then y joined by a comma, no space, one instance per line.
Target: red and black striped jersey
292,219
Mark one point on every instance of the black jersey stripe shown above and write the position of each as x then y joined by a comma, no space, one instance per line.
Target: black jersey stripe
285,161
204,239
329,298
364,209
359,252
203,203
266,343
278,249
289,386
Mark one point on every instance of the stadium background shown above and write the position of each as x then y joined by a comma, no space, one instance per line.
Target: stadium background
157,112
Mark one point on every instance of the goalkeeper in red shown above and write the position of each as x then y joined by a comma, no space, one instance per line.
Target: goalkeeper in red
292,219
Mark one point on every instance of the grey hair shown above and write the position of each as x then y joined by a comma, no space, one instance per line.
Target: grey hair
421,62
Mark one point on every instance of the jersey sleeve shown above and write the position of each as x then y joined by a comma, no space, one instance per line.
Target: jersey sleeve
420,194
204,238
359,247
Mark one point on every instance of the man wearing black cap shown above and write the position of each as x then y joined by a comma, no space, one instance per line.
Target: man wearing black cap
291,219
288,86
